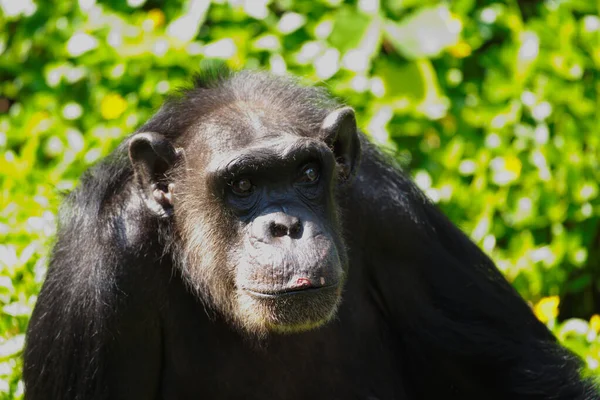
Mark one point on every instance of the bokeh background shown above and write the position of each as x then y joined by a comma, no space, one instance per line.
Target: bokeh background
493,108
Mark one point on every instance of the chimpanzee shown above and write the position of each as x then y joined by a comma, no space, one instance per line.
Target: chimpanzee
248,242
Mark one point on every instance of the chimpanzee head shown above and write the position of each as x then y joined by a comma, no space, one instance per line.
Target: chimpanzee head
245,168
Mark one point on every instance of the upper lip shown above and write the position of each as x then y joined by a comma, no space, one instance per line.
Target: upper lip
287,291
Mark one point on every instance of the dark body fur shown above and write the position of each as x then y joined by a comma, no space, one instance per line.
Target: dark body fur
424,313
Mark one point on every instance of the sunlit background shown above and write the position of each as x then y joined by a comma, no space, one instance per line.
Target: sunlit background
492,107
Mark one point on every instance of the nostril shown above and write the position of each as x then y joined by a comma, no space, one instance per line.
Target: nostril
296,229
284,225
278,230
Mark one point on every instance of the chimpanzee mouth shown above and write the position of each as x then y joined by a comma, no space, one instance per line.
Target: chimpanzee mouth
288,292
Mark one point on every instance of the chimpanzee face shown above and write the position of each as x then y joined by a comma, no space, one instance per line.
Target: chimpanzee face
254,204
287,263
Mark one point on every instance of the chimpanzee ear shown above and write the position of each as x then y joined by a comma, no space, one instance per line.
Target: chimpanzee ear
341,135
152,155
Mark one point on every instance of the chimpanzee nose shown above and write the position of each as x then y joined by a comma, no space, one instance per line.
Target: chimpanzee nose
276,225
280,225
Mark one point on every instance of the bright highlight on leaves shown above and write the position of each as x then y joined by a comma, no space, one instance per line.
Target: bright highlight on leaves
460,49
595,323
112,106
157,17
426,33
546,309
81,43
290,22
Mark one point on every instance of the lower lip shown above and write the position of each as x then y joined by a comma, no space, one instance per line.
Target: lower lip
300,291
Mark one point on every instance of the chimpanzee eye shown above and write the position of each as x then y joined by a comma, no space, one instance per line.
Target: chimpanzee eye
309,174
242,187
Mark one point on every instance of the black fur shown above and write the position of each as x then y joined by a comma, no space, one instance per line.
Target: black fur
424,313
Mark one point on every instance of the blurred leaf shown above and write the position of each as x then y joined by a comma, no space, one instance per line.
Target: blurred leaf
425,33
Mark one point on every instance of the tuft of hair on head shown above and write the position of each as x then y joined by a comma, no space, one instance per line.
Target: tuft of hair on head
212,74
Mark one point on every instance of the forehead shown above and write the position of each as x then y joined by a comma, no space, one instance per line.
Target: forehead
241,125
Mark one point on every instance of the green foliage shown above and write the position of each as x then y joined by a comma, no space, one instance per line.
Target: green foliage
492,107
